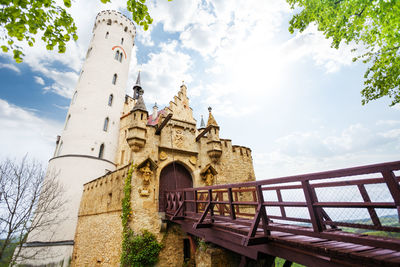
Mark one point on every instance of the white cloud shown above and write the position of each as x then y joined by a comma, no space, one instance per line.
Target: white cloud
318,150
10,67
23,132
39,80
162,75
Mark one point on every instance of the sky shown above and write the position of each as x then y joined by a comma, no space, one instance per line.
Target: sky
291,98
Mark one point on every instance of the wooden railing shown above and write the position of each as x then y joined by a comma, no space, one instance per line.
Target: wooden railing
248,204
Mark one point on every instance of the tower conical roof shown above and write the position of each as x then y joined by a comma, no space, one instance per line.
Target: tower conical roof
140,104
202,124
137,88
211,120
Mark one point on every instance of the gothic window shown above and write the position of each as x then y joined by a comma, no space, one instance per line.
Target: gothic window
109,22
122,40
101,151
116,55
107,34
120,57
66,123
114,80
59,149
110,100
105,127
74,97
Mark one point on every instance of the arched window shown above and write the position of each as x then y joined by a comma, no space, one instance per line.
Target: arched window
105,127
66,123
59,149
109,22
120,57
110,100
107,34
126,29
114,80
116,55
101,151
122,40
74,97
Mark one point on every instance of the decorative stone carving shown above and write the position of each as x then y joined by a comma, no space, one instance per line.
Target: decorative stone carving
163,155
193,160
208,174
146,169
179,138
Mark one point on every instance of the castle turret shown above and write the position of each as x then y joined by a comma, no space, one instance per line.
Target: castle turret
88,144
214,142
137,133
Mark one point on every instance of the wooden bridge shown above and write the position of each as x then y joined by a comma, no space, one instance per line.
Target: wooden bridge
335,218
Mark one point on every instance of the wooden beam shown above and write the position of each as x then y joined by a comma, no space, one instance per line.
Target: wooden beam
162,125
206,130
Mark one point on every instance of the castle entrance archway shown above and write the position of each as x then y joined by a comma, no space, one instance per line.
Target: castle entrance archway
173,176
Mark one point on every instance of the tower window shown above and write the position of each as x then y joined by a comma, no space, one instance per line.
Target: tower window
59,149
109,22
110,100
120,57
122,40
74,97
114,80
105,127
101,151
66,123
88,52
107,34
126,29
116,55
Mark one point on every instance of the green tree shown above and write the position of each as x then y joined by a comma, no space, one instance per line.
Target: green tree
25,20
375,24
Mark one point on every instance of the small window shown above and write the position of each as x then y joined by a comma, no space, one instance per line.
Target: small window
107,34
126,29
120,57
88,52
59,149
110,100
66,123
116,55
109,22
105,127
114,80
122,40
101,151
74,97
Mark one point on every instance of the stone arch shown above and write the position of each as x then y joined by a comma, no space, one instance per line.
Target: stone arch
174,175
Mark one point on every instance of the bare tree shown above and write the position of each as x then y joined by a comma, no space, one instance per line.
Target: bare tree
31,200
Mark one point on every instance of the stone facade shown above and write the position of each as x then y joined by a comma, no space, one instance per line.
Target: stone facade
210,160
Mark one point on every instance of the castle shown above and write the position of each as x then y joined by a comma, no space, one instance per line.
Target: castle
105,132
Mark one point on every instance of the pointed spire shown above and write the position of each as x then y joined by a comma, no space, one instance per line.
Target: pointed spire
211,120
155,112
202,124
137,88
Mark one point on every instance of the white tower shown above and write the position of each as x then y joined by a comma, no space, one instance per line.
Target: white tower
88,144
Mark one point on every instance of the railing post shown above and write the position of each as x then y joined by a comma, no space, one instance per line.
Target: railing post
211,205
314,215
371,211
394,188
282,208
196,209
231,207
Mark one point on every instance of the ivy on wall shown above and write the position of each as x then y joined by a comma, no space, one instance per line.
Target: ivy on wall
138,250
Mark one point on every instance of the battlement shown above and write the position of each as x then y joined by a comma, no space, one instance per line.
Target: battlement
111,17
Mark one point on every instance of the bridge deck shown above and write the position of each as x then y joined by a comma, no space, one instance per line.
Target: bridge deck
237,217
